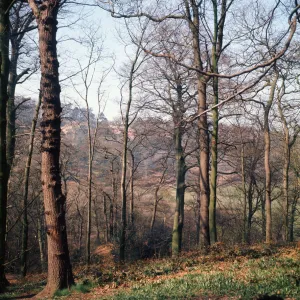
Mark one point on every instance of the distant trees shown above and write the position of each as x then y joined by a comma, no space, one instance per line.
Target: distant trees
179,152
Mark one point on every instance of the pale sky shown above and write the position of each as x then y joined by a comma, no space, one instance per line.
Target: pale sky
71,52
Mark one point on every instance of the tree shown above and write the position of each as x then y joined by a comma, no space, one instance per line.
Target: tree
59,267
135,64
4,65
192,13
25,193
21,19
290,133
94,55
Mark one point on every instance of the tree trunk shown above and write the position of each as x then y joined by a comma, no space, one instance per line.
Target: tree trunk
180,188
285,171
11,113
106,218
132,191
245,221
40,239
59,266
97,221
112,225
192,11
25,193
90,174
267,161
4,65
250,208
216,51
156,199
204,167
126,125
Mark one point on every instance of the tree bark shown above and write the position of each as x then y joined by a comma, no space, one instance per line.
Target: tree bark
180,189
4,65
204,167
59,267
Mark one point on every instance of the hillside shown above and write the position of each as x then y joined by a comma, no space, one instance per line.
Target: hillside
258,272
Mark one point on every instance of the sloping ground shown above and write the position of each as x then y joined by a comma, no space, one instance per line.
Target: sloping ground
258,272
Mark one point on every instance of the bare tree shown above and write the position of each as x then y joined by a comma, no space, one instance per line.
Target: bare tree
59,266
4,65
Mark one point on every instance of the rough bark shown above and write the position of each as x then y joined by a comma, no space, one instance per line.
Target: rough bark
25,193
180,189
204,168
59,266
4,65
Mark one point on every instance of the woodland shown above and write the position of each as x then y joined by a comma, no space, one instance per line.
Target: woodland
163,164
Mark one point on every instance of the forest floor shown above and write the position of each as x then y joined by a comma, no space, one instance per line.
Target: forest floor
257,272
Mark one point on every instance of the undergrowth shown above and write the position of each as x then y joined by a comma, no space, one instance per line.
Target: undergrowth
238,272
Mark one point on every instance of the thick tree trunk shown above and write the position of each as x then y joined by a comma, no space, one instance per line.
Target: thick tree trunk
180,189
204,167
25,193
59,266
4,65
192,11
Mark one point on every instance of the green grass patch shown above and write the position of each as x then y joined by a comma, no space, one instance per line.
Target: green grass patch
84,288
254,277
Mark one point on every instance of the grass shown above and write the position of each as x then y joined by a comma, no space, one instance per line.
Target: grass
82,288
238,272
255,281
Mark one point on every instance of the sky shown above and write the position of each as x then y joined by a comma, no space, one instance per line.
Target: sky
72,54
